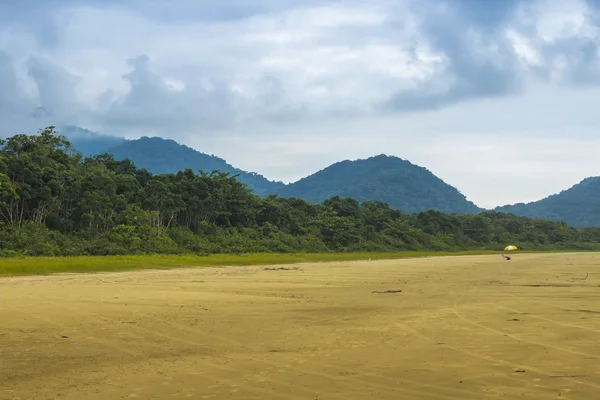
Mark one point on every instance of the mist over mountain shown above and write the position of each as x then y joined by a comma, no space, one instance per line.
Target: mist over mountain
88,142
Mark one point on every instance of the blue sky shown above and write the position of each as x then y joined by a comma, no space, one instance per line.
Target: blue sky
496,97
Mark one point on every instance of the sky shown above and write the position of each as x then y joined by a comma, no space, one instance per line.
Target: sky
496,97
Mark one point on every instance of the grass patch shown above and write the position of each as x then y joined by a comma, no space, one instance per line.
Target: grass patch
18,266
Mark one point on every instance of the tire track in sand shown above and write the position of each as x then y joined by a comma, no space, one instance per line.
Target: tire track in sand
257,378
276,366
499,360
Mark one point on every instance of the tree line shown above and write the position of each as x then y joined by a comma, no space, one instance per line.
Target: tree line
54,201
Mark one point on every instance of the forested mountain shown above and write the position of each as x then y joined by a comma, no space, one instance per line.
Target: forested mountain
392,180
160,156
399,183
576,206
53,202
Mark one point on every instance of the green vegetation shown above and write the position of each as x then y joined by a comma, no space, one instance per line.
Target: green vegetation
54,202
578,206
49,265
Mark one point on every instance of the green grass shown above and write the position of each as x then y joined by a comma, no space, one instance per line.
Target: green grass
18,266
21,266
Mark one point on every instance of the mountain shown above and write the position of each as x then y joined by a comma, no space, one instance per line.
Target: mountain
159,155
88,142
392,180
577,206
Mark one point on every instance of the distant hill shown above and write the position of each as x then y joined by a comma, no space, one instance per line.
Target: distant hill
392,180
577,206
159,155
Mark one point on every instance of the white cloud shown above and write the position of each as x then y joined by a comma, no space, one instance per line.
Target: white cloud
559,20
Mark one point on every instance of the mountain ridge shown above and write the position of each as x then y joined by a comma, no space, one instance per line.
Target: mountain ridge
389,179
149,152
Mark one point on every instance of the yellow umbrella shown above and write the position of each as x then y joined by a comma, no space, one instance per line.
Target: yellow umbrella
510,248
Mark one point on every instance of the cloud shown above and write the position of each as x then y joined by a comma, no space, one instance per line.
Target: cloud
152,101
479,61
287,75
208,66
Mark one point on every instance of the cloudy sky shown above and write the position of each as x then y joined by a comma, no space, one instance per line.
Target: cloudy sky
497,97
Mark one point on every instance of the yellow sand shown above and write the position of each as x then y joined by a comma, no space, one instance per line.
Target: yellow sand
462,328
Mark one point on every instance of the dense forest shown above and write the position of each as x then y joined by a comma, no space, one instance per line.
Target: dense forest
54,201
